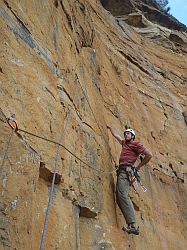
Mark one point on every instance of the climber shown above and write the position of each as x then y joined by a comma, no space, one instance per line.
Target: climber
130,151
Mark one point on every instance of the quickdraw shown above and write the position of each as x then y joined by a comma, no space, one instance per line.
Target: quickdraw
137,177
15,126
10,121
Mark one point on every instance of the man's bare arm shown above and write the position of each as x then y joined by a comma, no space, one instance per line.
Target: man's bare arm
147,157
115,134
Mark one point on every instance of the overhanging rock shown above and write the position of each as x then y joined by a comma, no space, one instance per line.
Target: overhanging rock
47,174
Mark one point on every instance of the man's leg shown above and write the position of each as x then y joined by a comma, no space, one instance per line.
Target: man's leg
123,200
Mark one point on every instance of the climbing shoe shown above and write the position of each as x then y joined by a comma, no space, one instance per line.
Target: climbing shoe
131,230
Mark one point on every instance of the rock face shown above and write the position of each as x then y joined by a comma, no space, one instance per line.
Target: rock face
67,69
150,8
150,21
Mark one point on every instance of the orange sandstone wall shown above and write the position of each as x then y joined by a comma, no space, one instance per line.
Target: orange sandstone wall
68,68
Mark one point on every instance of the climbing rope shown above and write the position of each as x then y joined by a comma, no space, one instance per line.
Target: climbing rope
14,129
95,117
12,123
60,144
6,152
54,174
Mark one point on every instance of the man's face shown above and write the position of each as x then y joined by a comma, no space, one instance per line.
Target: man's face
128,136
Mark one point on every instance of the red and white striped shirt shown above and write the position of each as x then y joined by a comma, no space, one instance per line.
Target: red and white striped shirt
130,151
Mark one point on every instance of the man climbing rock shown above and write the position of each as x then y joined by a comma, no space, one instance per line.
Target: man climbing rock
130,151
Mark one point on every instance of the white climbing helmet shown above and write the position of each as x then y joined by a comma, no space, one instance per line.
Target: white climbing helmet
131,131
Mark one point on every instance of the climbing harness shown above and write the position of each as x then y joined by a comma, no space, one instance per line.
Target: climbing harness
132,175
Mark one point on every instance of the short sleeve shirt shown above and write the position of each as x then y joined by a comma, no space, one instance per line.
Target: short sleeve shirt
130,151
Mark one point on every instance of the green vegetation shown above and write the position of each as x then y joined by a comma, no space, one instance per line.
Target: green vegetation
163,4
159,4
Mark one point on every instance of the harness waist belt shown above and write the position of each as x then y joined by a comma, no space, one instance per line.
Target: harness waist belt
125,165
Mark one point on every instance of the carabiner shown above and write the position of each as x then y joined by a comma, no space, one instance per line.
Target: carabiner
15,126
144,189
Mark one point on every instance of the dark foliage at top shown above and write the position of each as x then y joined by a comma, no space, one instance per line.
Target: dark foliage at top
158,4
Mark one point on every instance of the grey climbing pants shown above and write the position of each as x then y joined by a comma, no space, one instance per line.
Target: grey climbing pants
122,197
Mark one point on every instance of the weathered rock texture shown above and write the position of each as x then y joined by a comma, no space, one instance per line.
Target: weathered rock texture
68,68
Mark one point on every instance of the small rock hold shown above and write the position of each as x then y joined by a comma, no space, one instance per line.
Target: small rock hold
14,203
47,174
185,116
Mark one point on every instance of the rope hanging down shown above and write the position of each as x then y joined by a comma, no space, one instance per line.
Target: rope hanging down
14,129
95,118
6,152
52,141
54,174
